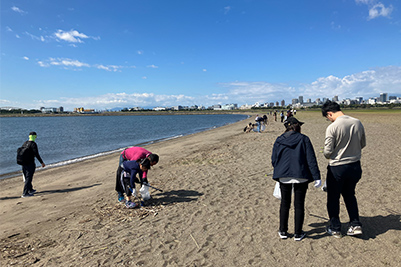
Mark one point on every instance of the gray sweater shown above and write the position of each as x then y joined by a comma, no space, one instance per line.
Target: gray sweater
344,141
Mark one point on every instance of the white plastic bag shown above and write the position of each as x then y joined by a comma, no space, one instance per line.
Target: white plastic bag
145,192
277,192
134,193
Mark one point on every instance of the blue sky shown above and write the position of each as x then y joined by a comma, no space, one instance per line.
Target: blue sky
106,54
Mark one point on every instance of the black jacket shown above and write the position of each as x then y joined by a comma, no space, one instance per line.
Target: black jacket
33,152
293,157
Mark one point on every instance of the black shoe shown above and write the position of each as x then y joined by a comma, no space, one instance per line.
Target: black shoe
33,191
336,234
299,237
283,235
27,195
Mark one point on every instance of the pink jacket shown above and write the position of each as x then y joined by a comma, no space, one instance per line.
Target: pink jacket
135,153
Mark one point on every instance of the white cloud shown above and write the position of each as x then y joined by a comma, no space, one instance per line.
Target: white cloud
26,58
227,9
34,37
153,66
380,10
140,52
366,84
73,64
204,70
109,67
112,100
376,9
68,63
64,62
72,36
366,2
369,83
18,10
8,29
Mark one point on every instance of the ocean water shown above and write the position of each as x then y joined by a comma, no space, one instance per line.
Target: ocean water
64,140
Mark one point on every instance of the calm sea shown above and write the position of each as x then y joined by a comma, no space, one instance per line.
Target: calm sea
64,140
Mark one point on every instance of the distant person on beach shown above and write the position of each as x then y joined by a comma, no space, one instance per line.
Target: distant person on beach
282,116
345,138
248,128
28,164
258,121
134,153
275,115
265,120
128,178
295,166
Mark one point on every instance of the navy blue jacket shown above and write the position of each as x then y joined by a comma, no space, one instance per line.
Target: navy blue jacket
133,168
293,157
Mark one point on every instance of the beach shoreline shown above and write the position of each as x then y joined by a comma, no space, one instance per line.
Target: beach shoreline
216,208
110,139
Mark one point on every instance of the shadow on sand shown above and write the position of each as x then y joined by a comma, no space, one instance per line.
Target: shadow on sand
372,226
46,192
176,196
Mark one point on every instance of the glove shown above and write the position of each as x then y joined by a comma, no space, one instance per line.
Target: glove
317,183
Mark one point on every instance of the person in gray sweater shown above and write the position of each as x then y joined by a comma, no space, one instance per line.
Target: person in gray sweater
345,138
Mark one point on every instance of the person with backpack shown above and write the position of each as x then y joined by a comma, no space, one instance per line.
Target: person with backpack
26,157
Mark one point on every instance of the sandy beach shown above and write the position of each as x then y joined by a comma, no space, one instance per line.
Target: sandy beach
216,208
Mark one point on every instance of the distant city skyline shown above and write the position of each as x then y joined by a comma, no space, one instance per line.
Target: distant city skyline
382,98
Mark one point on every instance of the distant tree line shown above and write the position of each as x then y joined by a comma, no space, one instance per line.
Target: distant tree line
20,111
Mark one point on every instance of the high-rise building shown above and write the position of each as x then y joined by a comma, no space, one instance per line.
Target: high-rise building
294,101
335,98
282,103
383,97
300,99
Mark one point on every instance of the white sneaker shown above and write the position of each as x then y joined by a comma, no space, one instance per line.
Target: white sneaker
354,230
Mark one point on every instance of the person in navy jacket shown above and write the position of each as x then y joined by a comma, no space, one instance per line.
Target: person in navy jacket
129,177
295,166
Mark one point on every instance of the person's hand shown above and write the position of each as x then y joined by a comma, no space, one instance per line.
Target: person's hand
43,165
317,183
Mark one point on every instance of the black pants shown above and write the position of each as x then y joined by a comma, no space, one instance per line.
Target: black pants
119,188
299,205
342,180
123,183
28,171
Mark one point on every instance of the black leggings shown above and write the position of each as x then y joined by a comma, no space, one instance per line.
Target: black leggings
299,204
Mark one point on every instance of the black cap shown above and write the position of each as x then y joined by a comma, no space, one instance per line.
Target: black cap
32,133
291,120
145,163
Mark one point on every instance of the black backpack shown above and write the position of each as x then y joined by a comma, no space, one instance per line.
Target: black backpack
23,154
